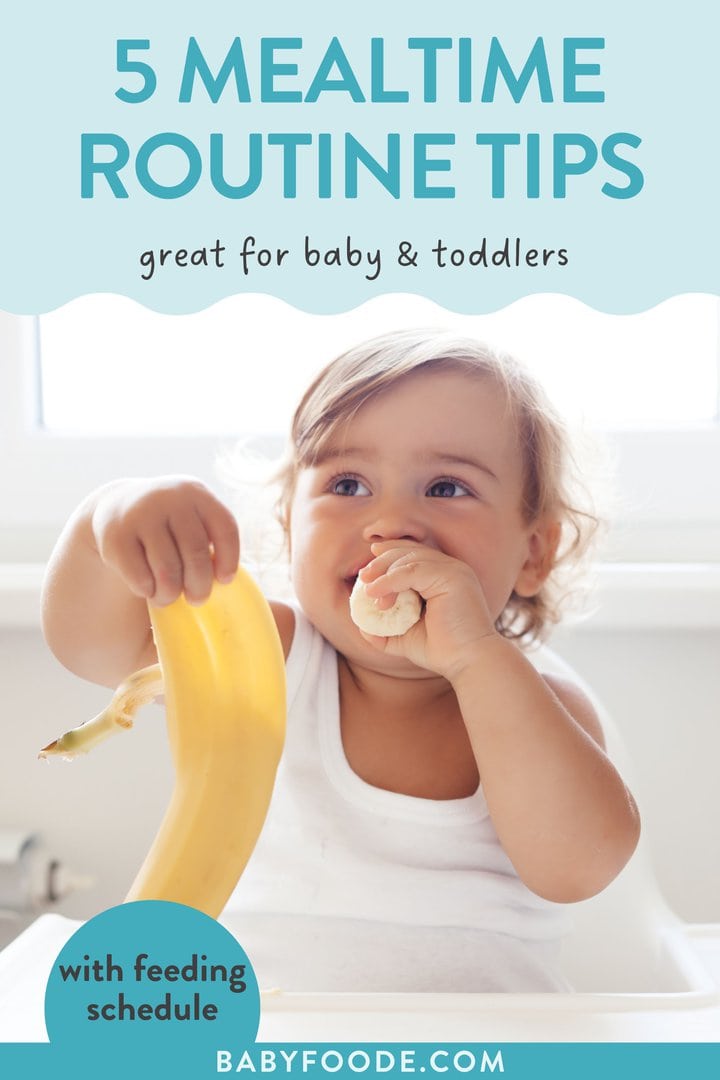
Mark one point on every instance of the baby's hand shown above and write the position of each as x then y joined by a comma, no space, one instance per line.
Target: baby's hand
456,614
165,536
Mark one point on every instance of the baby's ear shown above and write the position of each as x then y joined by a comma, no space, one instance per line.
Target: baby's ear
543,543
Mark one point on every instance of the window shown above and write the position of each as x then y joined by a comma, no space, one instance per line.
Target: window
111,367
103,388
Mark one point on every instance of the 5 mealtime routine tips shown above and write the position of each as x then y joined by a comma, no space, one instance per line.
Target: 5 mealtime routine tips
374,73
465,74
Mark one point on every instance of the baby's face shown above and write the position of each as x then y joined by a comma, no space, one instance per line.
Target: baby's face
433,460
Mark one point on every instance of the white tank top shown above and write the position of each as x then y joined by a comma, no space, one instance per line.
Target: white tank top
353,888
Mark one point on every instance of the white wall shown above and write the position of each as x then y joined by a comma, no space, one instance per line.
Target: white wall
97,814
100,813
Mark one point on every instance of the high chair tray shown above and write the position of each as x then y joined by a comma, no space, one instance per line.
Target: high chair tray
691,1015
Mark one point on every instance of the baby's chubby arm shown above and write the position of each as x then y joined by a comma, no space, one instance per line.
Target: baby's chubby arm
128,542
561,810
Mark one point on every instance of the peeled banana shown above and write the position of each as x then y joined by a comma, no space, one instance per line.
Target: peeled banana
223,677
393,621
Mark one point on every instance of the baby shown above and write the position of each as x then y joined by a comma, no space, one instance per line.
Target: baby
440,800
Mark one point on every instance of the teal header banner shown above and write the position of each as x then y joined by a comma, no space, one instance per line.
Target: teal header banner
472,153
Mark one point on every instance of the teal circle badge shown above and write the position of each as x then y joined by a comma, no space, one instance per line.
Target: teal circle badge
153,973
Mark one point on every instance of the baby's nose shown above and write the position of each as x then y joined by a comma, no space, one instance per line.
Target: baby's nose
395,523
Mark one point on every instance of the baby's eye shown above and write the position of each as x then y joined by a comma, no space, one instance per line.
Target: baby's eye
447,489
348,485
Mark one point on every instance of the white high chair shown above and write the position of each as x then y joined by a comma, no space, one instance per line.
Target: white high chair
639,972
627,940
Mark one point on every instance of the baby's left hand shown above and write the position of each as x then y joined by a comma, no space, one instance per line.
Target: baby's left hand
456,613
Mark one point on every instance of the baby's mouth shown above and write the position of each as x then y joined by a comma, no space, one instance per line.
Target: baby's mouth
352,577
350,583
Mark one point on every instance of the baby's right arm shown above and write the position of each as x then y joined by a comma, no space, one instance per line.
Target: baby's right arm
129,542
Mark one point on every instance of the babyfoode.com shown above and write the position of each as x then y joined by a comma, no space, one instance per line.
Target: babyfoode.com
450,1061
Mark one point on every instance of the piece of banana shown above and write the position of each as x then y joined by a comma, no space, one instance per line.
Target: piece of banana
397,620
137,690
223,677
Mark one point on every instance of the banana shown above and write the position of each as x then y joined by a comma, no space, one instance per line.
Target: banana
393,622
224,684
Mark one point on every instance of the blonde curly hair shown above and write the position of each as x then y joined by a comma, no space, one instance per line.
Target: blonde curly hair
551,479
